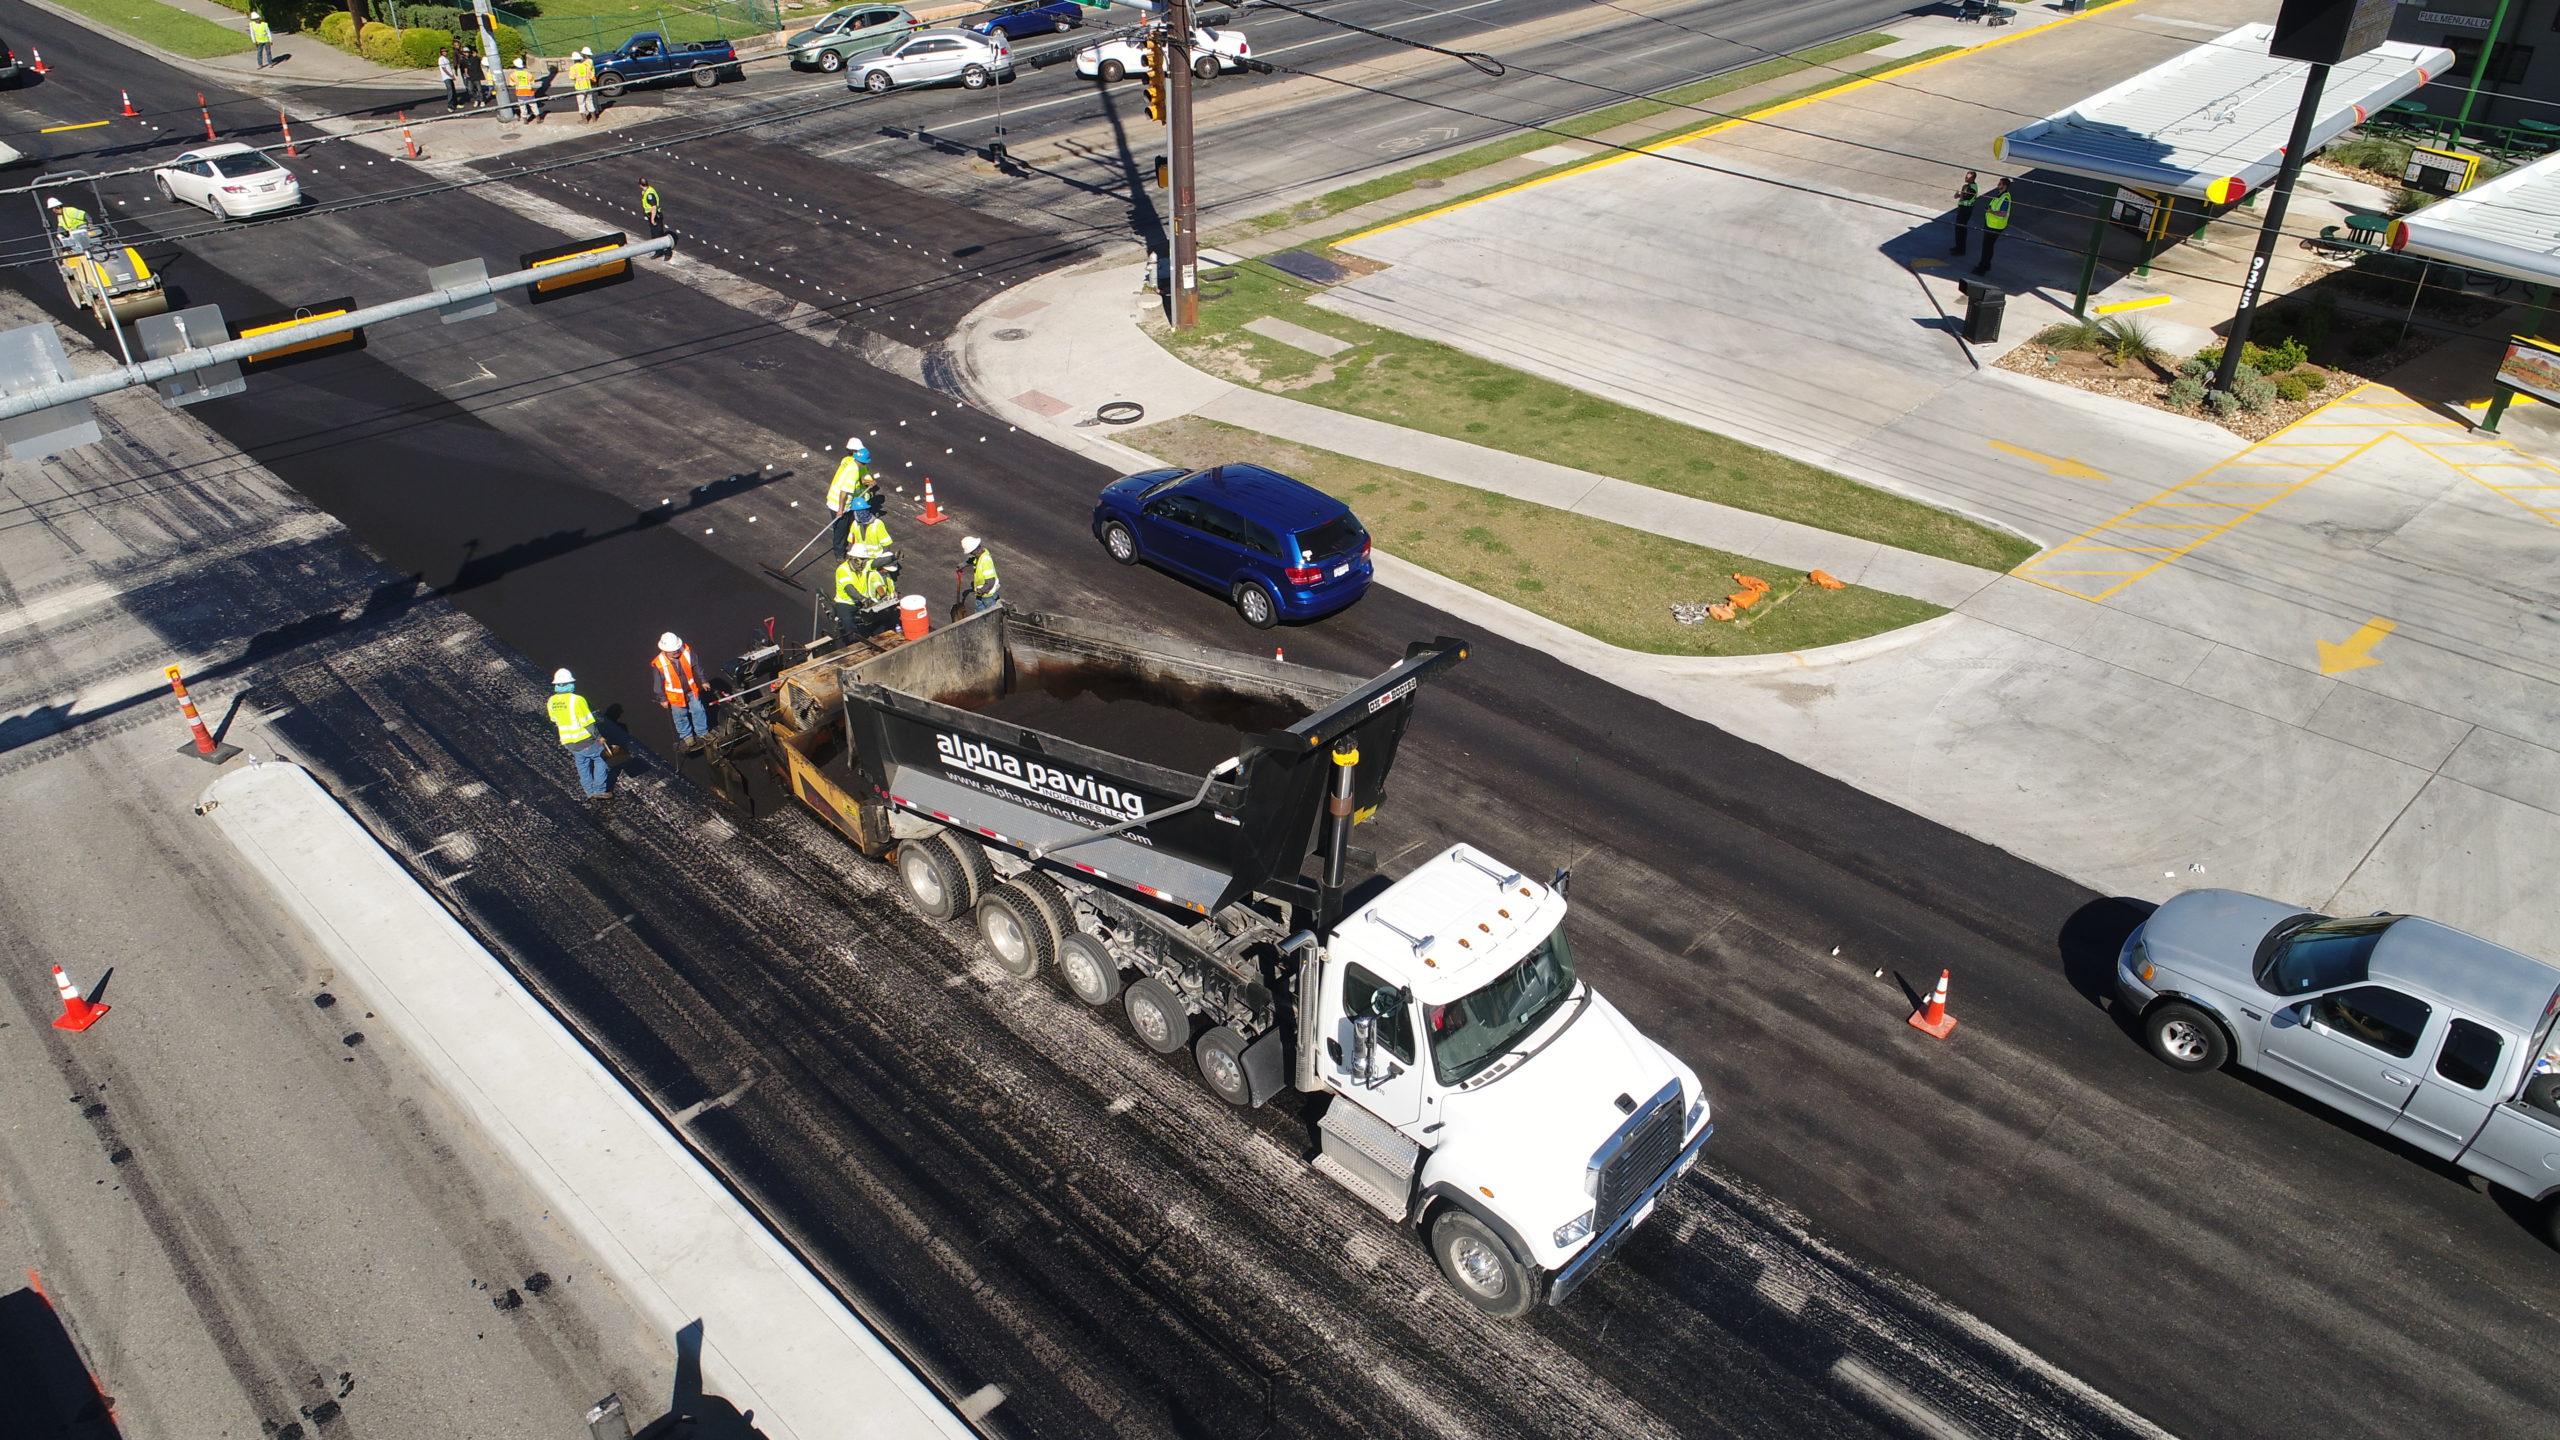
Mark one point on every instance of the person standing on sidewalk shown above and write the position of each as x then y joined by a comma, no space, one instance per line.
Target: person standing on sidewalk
1995,222
680,691
1966,194
264,38
451,77
528,104
576,722
582,79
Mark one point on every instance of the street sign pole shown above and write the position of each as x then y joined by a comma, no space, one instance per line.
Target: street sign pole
1186,205
487,25
2272,230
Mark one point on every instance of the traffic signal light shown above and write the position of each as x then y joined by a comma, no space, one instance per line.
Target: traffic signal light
1155,81
1164,173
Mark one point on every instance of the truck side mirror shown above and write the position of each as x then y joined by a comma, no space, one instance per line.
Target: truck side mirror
1364,1047
1563,880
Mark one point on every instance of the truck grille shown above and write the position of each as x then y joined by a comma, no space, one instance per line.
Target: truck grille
1642,1151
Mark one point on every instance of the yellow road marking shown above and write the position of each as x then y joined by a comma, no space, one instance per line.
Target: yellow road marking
2356,651
2145,303
86,125
2065,467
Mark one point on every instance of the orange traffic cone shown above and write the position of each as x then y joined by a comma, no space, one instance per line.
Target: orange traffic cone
129,112
285,123
206,111
1280,654
203,745
932,511
78,1012
408,139
40,67
1933,1017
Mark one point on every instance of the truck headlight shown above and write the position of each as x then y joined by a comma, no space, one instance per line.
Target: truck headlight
2137,959
1573,1229
1697,1112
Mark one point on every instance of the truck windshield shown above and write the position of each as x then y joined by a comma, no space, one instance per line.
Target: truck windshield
2324,956
1470,1033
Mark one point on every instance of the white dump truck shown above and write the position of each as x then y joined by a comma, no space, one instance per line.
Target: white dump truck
1138,815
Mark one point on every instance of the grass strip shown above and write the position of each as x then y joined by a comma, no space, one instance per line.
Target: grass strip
171,29
1424,385
1608,581
1608,117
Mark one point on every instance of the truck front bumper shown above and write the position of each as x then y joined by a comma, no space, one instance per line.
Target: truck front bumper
1606,1243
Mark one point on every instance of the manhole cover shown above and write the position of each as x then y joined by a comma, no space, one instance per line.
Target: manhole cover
1013,334
1429,184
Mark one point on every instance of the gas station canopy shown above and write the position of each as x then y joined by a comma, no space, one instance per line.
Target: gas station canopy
2211,124
2511,225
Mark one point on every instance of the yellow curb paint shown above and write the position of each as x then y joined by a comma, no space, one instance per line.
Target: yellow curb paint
2356,651
88,125
2145,303
1830,93
2065,467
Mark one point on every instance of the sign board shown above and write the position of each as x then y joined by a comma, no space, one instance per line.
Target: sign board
295,351
178,332
2440,172
462,272
2137,208
2533,367
31,356
2454,22
574,277
2326,32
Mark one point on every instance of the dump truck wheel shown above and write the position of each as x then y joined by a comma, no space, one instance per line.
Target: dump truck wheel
1018,923
973,864
1090,973
1481,1266
1161,1020
934,877
1220,1055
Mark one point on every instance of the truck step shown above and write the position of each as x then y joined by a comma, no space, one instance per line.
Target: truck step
1346,1125
1391,1204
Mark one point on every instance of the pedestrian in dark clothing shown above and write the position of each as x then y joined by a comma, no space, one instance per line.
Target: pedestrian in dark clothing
1966,194
1995,222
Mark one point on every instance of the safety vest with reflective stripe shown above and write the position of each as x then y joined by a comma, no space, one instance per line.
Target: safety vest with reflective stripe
649,201
259,34
852,478
74,218
569,711
522,79
1995,214
676,679
874,532
582,73
982,577
862,585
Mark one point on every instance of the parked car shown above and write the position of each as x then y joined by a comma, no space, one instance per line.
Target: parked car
1026,18
843,35
1275,547
232,181
12,72
648,57
931,57
2435,1037
1211,51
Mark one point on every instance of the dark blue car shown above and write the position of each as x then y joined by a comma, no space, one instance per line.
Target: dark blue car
1276,548
1022,20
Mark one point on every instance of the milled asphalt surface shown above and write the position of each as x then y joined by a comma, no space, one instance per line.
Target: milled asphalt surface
1164,1266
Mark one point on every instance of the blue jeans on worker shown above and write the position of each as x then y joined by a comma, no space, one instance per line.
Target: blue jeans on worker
593,775
691,719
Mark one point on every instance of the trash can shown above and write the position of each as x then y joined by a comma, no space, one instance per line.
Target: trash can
1983,308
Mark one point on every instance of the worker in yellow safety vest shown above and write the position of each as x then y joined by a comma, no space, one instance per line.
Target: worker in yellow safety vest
72,221
262,37
1995,222
582,79
979,587
866,600
869,529
850,490
528,104
680,691
577,725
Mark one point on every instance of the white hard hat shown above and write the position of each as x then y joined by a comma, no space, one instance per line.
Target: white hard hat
54,202
669,643
972,545
563,677
853,442
859,551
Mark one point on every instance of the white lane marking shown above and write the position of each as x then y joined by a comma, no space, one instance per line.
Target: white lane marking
1911,1409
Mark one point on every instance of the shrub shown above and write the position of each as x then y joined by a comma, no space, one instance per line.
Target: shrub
339,29
2290,355
2254,391
2290,388
2372,152
2201,364
419,48
2186,392
2125,342
510,41
434,17
2072,335
2312,379
378,43
2220,402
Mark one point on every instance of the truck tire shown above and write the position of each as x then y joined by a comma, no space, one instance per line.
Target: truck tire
1020,924
704,77
1481,1267
1220,1055
1091,975
2185,1038
935,878
610,85
1119,543
1161,1020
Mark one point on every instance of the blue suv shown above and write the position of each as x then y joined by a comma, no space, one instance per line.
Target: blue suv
1275,547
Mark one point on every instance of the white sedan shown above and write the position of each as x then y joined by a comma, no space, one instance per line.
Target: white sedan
1211,52
232,181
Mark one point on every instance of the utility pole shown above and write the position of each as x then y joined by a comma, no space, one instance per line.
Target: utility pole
487,24
1176,51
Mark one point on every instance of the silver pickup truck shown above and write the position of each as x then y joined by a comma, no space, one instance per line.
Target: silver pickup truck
2432,1036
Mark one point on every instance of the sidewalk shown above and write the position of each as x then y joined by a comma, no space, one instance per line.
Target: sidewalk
303,61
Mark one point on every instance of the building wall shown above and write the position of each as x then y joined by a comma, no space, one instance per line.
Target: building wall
2523,81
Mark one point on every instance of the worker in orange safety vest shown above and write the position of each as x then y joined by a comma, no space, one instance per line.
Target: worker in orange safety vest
680,690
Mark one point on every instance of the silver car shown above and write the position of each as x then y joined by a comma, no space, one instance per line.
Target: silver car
2435,1037
931,57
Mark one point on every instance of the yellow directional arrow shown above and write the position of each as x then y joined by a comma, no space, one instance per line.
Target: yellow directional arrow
2066,468
2356,651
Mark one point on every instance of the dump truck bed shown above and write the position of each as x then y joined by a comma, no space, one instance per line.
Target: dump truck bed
1038,731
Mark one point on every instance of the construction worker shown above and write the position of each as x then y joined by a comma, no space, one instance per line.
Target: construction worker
653,210
866,601
262,37
577,725
1995,221
680,691
528,104
979,587
850,489
582,79
870,529
72,221
1966,194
